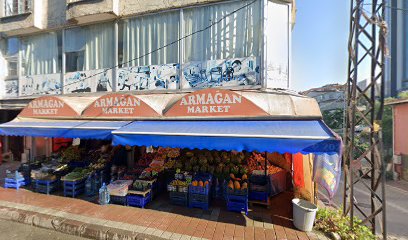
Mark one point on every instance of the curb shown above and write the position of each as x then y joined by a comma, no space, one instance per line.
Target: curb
72,227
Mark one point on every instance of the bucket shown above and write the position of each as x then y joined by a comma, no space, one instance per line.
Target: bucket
304,214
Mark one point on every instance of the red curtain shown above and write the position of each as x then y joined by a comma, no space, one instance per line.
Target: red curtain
298,174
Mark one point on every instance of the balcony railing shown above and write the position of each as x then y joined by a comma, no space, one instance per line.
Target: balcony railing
16,7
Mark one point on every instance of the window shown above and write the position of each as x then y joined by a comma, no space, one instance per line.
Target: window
140,36
10,52
89,48
14,7
36,61
236,36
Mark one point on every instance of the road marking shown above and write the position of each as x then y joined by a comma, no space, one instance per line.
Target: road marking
398,189
388,203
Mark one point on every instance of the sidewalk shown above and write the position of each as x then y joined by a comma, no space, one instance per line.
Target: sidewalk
86,219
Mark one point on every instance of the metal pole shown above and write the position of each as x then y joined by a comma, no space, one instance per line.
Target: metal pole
366,46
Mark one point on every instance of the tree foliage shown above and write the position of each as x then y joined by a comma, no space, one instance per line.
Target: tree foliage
334,118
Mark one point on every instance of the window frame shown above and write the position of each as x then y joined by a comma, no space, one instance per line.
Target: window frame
15,11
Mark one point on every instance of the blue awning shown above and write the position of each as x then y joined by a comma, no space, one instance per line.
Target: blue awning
101,130
271,136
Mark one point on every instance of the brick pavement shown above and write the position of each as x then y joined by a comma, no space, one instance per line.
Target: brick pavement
160,221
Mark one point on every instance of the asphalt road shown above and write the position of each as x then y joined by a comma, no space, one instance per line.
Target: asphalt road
396,207
19,231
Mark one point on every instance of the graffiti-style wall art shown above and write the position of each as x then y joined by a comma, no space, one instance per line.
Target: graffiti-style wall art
88,81
11,88
221,73
40,84
154,77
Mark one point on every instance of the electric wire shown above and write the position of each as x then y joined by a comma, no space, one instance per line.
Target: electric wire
213,23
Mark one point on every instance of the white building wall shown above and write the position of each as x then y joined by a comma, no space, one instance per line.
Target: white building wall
278,33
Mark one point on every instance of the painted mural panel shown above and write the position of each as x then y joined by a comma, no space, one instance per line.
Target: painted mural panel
154,77
11,88
88,81
222,73
40,84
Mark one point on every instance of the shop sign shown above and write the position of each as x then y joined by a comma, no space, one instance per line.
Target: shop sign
48,107
119,105
214,103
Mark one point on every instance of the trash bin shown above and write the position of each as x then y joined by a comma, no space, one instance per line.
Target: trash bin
304,214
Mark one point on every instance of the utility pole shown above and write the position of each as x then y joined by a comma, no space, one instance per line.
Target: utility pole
364,108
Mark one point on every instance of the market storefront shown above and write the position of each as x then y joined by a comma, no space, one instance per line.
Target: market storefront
212,145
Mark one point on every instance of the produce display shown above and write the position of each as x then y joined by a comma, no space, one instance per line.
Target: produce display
71,154
141,185
99,164
178,186
77,174
237,185
199,175
119,187
49,171
196,183
148,174
219,164
256,163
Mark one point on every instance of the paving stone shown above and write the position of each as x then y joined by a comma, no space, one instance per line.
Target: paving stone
76,216
175,236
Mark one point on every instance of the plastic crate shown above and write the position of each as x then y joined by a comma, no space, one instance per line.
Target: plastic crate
14,183
199,190
138,201
179,198
240,192
237,198
259,196
74,188
237,203
46,186
199,201
237,206
118,200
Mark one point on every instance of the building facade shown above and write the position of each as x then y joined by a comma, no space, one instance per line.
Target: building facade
330,97
400,131
85,47
396,77
93,47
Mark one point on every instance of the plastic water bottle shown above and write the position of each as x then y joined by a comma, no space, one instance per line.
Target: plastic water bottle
104,197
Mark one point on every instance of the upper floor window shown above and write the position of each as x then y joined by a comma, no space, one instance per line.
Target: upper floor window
150,40
233,34
10,52
89,47
14,7
35,60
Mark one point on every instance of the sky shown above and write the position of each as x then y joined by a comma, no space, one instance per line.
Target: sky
319,43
